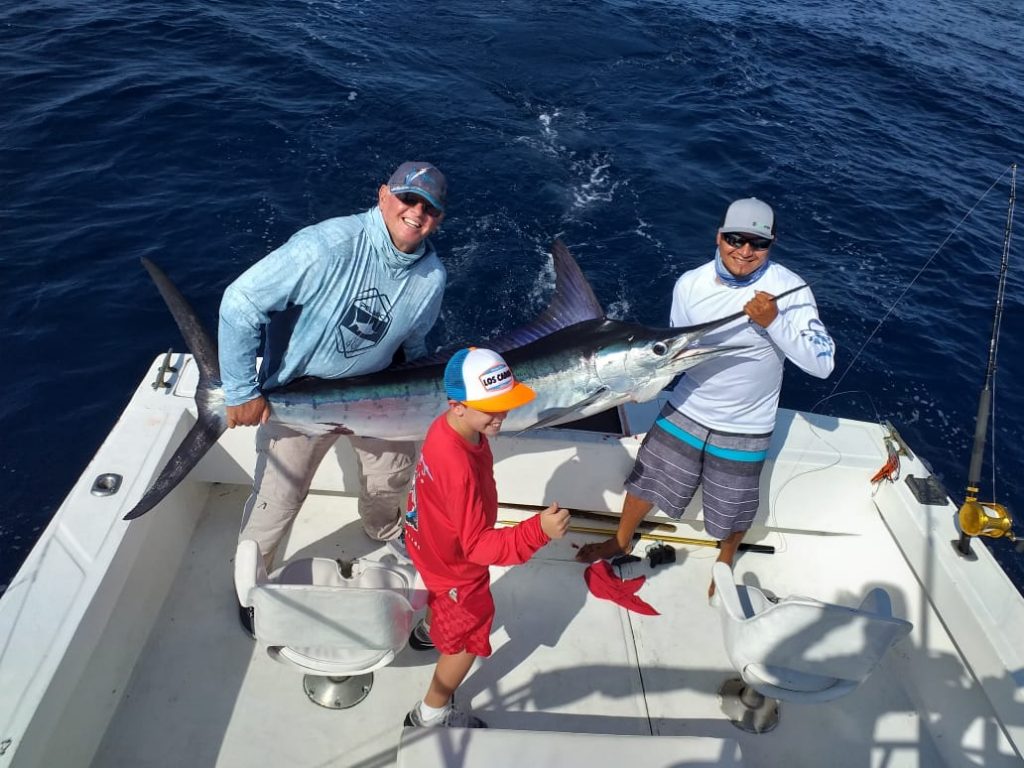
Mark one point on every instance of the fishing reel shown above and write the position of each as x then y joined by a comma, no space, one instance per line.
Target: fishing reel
628,566
983,518
660,554
979,518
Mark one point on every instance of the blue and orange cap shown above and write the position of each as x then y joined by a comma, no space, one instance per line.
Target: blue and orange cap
481,379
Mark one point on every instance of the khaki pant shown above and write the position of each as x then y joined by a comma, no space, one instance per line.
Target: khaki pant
287,457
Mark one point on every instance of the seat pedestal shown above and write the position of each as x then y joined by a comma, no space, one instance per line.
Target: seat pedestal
337,692
747,709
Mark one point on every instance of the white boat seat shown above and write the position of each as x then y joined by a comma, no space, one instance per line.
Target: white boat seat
335,629
797,649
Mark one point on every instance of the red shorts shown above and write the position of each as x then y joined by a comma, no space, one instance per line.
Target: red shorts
463,623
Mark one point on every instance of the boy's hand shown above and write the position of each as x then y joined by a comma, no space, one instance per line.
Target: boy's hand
554,521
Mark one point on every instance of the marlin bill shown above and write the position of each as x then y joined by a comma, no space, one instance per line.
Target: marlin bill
578,361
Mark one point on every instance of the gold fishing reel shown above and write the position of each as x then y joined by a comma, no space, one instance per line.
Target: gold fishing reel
982,518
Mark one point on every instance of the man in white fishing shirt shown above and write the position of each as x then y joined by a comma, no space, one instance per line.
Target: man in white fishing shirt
339,299
716,428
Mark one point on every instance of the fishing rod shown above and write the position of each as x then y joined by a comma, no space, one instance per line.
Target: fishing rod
645,526
766,549
988,518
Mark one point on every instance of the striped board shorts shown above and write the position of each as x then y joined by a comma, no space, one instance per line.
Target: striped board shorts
678,453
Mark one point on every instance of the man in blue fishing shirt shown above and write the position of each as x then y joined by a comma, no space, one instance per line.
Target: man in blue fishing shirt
716,428
339,299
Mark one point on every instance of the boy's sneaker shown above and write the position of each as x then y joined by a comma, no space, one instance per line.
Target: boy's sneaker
453,717
419,638
246,617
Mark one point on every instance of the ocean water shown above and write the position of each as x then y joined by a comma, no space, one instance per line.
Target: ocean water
202,134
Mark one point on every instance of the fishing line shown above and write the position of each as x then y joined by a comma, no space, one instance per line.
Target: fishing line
878,415
773,502
921,271
794,474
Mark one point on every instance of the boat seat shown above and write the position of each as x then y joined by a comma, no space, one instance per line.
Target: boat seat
797,649
335,628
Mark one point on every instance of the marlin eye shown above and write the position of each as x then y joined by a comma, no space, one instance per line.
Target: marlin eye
659,348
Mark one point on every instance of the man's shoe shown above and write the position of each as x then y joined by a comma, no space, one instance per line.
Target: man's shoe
246,617
453,717
419,638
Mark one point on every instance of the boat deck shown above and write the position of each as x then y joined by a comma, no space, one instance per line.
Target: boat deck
204,694
120,643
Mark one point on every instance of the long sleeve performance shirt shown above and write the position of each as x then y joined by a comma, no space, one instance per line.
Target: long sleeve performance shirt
451,538
336,300
739,392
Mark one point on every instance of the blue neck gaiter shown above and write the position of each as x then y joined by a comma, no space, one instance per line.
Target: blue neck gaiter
729,279
394,258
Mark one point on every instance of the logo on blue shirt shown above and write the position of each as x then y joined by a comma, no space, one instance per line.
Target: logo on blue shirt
364,324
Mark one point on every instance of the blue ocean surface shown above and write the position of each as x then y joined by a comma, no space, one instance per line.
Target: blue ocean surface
203,134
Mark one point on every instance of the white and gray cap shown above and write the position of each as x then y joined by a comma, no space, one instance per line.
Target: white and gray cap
750,216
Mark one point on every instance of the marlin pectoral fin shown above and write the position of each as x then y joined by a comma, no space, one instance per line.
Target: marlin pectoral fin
568,413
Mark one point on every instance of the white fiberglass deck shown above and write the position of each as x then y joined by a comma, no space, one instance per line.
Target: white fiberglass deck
120,643
205,694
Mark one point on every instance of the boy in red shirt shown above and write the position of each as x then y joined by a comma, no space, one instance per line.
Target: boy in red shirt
451,535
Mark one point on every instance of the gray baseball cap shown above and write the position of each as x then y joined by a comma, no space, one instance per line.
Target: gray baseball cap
421,179
750,216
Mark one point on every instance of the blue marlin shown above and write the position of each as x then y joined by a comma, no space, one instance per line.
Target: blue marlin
577,360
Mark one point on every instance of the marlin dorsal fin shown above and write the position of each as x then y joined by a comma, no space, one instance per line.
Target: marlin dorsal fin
573,302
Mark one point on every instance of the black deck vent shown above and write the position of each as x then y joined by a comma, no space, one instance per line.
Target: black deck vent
928,490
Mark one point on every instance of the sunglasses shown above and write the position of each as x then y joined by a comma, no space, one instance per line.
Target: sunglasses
737,240
412,200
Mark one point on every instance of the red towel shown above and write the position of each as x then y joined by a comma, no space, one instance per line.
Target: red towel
603,582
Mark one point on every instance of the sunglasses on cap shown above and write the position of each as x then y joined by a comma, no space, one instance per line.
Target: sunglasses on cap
736,240
412,200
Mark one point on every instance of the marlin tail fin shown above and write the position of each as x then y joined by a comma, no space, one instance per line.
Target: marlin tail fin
211,424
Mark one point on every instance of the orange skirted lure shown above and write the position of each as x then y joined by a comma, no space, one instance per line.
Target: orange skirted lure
891,469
